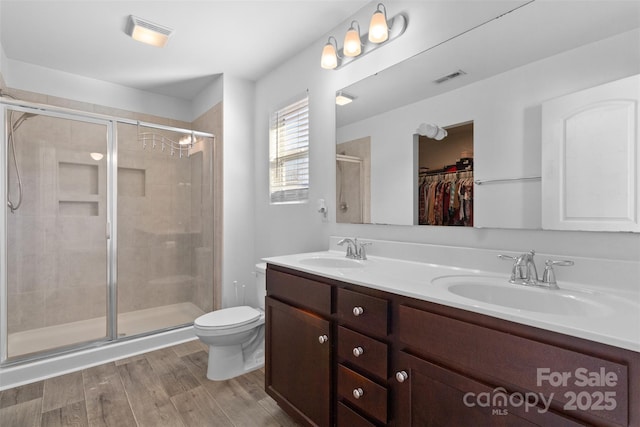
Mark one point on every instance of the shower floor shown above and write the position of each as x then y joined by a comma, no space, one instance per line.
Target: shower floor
131,323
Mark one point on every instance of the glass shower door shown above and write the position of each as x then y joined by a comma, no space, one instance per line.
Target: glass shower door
57,242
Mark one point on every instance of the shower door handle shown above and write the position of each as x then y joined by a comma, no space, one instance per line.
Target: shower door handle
108,230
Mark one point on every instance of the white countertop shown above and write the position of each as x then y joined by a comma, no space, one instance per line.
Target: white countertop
618,325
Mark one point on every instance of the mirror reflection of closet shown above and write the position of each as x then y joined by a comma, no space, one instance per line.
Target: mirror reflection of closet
445,177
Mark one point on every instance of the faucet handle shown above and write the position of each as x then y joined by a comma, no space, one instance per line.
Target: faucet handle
549,276
362,253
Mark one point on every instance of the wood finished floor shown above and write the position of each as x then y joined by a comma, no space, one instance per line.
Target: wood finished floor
166,387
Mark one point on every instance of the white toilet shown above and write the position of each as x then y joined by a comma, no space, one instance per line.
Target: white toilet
235,335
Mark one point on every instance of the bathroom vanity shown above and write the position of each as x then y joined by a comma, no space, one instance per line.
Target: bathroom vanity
343,349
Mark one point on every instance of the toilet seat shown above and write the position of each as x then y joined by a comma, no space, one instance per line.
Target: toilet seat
228,318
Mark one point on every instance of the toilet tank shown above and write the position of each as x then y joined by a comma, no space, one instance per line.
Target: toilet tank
261,283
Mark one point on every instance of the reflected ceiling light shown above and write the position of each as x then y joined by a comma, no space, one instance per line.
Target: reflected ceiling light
148,32
378,28
432,131
96,156
329,59
352,43
381,31
344,98
187,140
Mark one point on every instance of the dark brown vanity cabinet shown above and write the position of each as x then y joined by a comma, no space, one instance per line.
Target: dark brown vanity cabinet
363,325
398,361
298,372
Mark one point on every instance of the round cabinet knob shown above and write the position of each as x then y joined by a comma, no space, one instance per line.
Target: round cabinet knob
357,311
323,339
401,376
358,393
358,351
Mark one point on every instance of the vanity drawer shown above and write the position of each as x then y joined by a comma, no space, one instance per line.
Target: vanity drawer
305,293
363,352
373,400
506,359
363,312
347,417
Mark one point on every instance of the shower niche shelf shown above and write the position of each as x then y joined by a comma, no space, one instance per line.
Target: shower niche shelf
79,189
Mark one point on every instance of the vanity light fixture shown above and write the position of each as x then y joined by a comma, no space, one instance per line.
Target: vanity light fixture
329,59
381,30
352,43
148,32
344,98
378,28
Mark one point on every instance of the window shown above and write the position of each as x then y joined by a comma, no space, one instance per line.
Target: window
289,153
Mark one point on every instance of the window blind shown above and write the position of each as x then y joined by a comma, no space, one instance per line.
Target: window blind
289,153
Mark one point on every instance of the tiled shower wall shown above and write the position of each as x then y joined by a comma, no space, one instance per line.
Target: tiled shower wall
57,265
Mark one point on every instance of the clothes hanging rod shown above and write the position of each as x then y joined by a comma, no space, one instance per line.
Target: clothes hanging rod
53,108
425,173
491,181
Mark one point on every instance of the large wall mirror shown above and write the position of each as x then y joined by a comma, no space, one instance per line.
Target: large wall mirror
491,81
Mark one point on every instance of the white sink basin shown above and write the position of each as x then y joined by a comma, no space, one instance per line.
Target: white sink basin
331,262
499,292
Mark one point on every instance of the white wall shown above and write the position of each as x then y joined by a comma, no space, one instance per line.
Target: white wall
507,132
212,94
3,60
34,78
282,229
238,205
297,228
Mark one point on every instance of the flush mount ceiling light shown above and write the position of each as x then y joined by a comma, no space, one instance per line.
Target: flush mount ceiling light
148,32
344,98
381,31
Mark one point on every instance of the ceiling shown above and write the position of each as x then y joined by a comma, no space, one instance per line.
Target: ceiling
243,38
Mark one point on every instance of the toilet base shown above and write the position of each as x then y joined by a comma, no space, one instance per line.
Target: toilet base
226,362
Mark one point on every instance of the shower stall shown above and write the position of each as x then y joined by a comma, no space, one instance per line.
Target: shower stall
107,229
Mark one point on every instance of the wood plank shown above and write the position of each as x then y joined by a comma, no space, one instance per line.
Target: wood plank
106,400
189,347
172,371
21,394
236,403
25,414
74,415
149,401
130,359
62,391
198,408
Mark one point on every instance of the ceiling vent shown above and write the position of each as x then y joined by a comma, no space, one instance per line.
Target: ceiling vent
450,76
148,32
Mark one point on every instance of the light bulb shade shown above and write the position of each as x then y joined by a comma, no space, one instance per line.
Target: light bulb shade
329,59
352,44
378,29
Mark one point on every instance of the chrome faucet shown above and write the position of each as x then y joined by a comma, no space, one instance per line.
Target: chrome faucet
524,271
355,249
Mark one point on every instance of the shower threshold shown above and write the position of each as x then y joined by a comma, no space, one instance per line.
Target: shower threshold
129,324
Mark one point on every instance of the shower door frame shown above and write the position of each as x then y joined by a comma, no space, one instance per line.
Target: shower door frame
111,123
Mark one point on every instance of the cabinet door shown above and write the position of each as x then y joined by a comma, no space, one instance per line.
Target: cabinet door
591,159
298,356
428,395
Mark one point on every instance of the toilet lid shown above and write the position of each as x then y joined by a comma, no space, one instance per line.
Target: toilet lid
228,317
